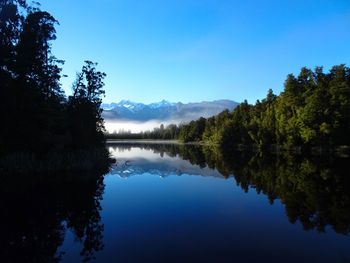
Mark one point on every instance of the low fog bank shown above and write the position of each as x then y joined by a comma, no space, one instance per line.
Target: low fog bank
136,126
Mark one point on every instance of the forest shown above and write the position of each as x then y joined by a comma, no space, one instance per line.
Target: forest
37,117
312,111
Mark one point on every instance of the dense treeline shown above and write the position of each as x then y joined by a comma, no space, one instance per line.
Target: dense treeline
313,110
36,116
170,132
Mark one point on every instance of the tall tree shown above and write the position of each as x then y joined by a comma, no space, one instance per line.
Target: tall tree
84,107
10,28
38,76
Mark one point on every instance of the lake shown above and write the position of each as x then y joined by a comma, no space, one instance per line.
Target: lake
177,203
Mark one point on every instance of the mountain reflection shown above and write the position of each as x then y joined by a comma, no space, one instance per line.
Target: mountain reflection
39,210
314,191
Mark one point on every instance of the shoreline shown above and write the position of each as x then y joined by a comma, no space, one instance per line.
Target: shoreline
154,141
141,141
339,151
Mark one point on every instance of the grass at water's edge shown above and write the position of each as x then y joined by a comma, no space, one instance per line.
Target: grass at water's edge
96,159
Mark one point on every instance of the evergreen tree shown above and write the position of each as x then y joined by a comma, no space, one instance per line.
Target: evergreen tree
84,107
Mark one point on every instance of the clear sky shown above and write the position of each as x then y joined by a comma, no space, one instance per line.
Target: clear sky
194,50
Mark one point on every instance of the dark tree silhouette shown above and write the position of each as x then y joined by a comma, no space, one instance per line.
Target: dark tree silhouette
37,116
84,112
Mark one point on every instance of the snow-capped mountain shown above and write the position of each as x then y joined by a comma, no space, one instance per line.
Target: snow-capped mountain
136,161
127,110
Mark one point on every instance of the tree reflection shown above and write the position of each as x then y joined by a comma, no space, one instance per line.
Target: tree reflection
38,210
314,191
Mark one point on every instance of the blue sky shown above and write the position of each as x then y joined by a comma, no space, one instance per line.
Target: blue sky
187,50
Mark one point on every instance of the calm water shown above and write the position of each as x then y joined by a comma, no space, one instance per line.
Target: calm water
169,203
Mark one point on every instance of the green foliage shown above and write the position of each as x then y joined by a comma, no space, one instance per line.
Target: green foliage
192,132
313,110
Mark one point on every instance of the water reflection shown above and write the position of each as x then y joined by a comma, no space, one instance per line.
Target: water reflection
38,210
315,191
188,219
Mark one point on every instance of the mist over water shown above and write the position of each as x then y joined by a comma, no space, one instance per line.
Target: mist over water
137,117
136,126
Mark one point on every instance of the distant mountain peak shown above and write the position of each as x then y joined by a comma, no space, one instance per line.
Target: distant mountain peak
164,110
162,103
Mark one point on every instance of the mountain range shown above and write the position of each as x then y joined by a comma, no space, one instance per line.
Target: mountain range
131,163
166,111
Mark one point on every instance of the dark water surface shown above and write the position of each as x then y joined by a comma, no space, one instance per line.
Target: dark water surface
173,203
